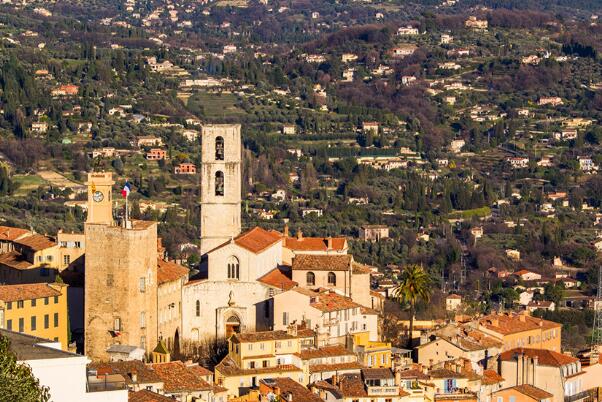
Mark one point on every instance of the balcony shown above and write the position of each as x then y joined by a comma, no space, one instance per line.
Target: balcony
330,323
583,395
386,391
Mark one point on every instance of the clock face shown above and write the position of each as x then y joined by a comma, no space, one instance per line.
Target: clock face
98,196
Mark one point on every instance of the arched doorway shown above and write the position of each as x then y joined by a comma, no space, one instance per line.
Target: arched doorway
232,326
176,344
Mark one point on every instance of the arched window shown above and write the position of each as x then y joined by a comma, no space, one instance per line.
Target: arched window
198,308
233,268
219,183
332,279
310,279
219,148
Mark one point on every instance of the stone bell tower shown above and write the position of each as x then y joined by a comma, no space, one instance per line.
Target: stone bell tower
221,177
100,199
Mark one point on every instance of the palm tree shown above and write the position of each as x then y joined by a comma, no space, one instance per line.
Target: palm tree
414,286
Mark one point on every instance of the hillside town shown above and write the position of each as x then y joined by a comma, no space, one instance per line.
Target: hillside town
270,200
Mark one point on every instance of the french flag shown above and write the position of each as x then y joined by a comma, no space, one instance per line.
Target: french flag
126,189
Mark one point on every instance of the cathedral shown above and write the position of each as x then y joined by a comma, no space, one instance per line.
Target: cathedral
244,271
133,298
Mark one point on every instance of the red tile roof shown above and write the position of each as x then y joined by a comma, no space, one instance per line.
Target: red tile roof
328,301
9,233
315,243
147,396
321,368
177,378
304,262
530,391
287,386
9,293
255,240
168,271
326,351
545,357
144,373
514,323
278,279
36,242
490,377
14,259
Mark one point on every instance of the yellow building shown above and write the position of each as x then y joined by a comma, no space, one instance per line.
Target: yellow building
38,309
257,355
72,247
522,331
372,354
34,258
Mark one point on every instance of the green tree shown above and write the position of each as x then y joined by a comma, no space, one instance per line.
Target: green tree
414,286
17,382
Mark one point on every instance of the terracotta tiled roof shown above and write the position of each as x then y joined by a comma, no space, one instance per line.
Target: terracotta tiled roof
413,373
177,377
255,240
315,243
490,377
304,262
270,336
200,370
454,296
330,301
8,233
445,373
147,396
377,373
326,351
514,323
321,368
278,279
532,392
9,293
36,242
168,271
145,374
228,367
545,357
291,387
14,259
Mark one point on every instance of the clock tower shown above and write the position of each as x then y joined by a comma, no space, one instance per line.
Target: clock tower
100,199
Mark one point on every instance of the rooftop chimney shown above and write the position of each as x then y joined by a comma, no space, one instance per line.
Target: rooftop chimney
134,376
286,230
329,243
299,234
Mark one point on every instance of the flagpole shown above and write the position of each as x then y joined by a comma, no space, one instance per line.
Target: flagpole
126,211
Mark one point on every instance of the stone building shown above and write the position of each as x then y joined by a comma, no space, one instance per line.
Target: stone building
220,184
121,276
171,277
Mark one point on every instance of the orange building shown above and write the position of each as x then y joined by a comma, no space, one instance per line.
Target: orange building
185,168
522,330
522,393
156,154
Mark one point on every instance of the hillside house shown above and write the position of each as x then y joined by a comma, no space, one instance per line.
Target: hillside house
156,154
185,168
374,232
